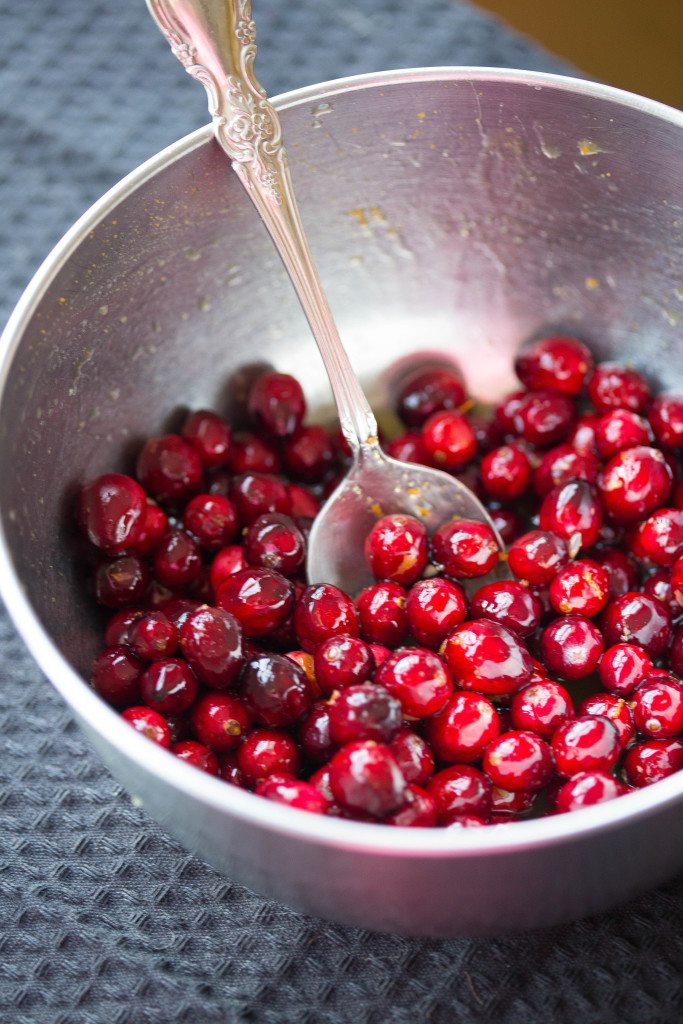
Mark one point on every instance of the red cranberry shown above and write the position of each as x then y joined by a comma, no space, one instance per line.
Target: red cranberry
658,707
275,690
545,418
304,504
585,744
261,600
434,607
254,494
511,605
197,755
465,548
309,455
229,770
116,675
623,667
413,756
618,387
267,752
342,661
505,473
425,392
179,727
285,790
121,581
220,721
419,810
277,404
661,536
120,624
557,363
252,454
209,435
177,609
658,587
458,790
409,447
676,651
274,541
582,435
154,526
169,686
541,707
634,483
365,777
619,430
169,468
211,640
638,619
382,614
111,512
608,705
177,560
506,418
653,761
418,678
366,712
506,804
449,440
571,647
396,549
506,522
150,724
586,789
677,580
462,730
537,556
212,519
666,418
487,658
314,734
621,570
305,663
574,513
153,636
324,611
561,464
518,761
582,588
227,562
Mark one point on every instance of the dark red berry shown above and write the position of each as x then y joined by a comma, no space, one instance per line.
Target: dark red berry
658,587
211,640
212,519
309,454
620,429
634,483
541,707
229,770
324,611
505,473
425,392
409,447
506,522
274,541
111,512
608,705
661,536
574,513
252,454
210,436
267,752
365,712
153,636
580,588
621,570
177,560
658,707
198,756
365,777
465,548
676,651
169,468
677,580
434,607
342,661
304,504
261,600
571,647
518,761
150,723
413,756
544,418
418,678
558,363
275,690
449,440
582,435
463,729
586,744
120,624
220,721
154,526
537,556
638,619
277,404
177,609
396,549
618,387
227,562
666,418
419,810
623,667
254,494
121,581
116,675
506,804
458,790
653,761
285,790
487,658
314,734
586,789
169,686
382,614
561,464
179,727
511,605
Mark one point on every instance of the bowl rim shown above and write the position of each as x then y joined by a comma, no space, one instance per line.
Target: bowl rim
211,792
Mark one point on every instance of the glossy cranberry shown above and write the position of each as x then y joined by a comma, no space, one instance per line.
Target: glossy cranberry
276,404
544,418
613,386
365,777
434,607
638,619
506,521
220,721
121,581
561,464
179,727
267,752
226,563
169,686
418,811
661,536
511,605
621,570
324,611
571,647
276,690
615,708
365,712
150,723
211,640
518,760
409,447
676,651
507,804
197,755
582,435
304,504
212,519
582,588
120,624
177,560
425,392
230,771
382,614
677,580
413,756
653,761
154,526
558,363
261,600
252,454
585,744
536,556
666,418
505,473
309,454
111,512
314,734
460,790
153,636
169,468
634,483
506,416
465,548
177,609
418,678
449,440
283,789
586,789
255,494
541,707
116,675
619,430
305,663
396,549
574,513
485,657
623,667
658,587
462,730
342,661
274,541
210,436
658,707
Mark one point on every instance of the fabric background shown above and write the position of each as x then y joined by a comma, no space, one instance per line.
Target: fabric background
103,917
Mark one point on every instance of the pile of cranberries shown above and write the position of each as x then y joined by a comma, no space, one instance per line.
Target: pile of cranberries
410,703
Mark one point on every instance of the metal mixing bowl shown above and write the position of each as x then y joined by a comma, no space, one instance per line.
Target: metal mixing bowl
453,212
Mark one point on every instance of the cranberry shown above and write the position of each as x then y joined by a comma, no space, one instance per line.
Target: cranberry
211,640
177,560
169,686
276,404
677,580
210,436
153,636
212,519
586,789
150,723
511,605
274,541
638,619
418,678
120,624
623,667
544,418
666,418
275,690
261,600
449,440
653,761
505,473
618,387
382,614
304,505
111,512
226,563
342,661
396,549
557,363
365,777
309,455
220,721
582,435
487,658
267,752
619,430
676,651
571,646
658,707
121,581
561,464
634,483
573,512
458,790
434,607
366,712
419,810
254,494
582,587
169,468
314,734
608,705
409,447
154,526
177,609
425,392
506,522
658,587
462,730
585,744
285,790
179,727
541,707
518,761
661,536
197,755
413,756
621,570
506,804
537,556
229,770
465,548
116,675
324,611
252,454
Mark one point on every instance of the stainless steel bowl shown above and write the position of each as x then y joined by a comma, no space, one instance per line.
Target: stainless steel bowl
453,212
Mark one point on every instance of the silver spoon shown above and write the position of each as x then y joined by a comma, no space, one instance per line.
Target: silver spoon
215,41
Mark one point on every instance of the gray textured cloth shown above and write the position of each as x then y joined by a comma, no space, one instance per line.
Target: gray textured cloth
104,918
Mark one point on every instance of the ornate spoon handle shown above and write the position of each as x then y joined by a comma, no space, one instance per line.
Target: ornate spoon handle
215,41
